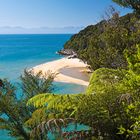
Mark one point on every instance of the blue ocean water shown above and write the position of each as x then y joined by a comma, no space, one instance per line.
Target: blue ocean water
24,51
18,52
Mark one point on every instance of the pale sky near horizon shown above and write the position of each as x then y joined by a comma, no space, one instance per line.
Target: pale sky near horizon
53,13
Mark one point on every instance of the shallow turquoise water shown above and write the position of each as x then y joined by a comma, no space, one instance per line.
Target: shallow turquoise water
18,52
24,51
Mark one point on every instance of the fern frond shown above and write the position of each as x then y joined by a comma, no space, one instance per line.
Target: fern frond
39,100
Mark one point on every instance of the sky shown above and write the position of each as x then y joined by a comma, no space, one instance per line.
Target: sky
51,15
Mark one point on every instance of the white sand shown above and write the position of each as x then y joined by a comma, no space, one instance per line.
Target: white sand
59,65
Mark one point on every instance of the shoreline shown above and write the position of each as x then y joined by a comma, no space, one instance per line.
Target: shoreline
67,70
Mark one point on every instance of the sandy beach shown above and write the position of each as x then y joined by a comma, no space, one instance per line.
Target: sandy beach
67,70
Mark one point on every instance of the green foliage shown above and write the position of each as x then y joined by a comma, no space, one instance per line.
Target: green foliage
52,107
14,112
134,4
33,84
104,78
133,59
103,44
115,102
110,107
133,113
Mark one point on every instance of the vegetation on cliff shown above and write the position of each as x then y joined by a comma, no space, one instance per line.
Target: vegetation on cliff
104,44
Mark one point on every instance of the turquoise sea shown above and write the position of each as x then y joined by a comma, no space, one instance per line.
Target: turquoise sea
18,52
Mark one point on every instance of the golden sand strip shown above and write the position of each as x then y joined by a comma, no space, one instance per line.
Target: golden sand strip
65,63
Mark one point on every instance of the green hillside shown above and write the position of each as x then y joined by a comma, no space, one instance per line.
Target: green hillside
104,44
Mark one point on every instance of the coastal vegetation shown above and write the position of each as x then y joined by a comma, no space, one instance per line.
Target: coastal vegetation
110,106
104,44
